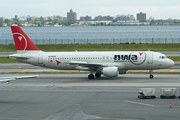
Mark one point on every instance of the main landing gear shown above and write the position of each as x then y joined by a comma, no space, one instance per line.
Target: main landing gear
151,75
91,76
98,75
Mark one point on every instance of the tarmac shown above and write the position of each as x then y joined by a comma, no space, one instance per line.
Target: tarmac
74,97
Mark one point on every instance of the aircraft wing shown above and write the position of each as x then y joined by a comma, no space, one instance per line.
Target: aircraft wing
82,65
7,79
86,64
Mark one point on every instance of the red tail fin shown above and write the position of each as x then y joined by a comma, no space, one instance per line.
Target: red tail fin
22,41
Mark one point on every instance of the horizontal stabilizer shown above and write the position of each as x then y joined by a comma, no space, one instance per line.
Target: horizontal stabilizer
6,79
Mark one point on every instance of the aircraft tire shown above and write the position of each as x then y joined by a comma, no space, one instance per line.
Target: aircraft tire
98,75
151,76
91,76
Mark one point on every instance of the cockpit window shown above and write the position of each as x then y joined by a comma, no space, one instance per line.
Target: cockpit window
162,57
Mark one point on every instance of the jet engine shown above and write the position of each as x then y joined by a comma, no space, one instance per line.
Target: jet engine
110,71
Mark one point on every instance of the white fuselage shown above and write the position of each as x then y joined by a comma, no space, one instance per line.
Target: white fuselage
124,60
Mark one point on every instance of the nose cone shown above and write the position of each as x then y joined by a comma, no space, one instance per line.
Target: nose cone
170,63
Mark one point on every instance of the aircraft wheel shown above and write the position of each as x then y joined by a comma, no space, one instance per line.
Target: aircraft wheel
151,76
91,76
98,75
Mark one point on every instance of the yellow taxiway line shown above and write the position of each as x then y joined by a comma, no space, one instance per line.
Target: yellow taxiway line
139,103
156,75
50,86
172,70
24,70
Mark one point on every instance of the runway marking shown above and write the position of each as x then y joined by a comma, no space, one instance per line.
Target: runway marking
24,70
156,75
134,81
50,86
140,103
149,104
172,70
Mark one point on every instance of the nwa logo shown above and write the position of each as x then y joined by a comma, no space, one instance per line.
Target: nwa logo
136,58
20,40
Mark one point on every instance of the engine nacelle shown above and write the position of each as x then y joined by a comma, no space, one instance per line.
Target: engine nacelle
122,71
110,71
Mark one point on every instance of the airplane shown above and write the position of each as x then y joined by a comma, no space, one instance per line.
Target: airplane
109,63
8,79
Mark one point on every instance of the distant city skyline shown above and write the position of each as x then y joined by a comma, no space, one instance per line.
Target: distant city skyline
159,9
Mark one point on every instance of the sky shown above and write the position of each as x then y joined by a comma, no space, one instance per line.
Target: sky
159,9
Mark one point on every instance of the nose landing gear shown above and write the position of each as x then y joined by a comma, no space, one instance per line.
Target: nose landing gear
151,75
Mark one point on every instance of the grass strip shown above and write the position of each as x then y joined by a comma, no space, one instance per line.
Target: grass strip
7,60
100,47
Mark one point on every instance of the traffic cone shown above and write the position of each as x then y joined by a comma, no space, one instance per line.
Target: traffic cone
170,106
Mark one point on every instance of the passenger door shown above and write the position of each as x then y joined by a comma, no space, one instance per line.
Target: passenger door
40,59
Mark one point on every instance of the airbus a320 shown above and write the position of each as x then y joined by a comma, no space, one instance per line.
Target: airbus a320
109,64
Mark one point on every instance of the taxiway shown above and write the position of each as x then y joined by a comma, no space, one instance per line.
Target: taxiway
74,97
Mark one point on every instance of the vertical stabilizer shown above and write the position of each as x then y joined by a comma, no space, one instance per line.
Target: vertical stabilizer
22,41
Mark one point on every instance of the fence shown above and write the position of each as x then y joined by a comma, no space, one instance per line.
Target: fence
97,41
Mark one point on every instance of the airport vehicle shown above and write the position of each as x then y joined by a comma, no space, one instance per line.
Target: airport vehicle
8,79
168,93
146,93
109,63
